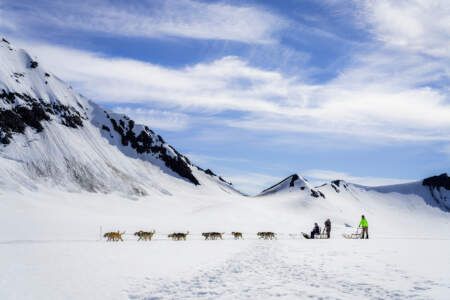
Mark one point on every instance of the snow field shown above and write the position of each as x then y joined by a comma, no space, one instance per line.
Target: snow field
50,247
246,269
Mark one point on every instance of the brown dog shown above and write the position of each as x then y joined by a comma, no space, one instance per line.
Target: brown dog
216,235
114,236
177,236
145,235
237,235
267,235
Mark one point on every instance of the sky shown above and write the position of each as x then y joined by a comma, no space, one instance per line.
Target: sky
259,90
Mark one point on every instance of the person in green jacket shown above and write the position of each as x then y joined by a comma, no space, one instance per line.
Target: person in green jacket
365,227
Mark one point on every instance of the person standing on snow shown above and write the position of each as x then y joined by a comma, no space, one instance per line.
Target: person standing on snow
316,230
365,227
328,227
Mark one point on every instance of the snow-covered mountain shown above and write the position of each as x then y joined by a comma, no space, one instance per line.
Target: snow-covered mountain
293,183
434,191
51,135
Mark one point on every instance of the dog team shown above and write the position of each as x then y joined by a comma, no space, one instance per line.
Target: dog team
178,236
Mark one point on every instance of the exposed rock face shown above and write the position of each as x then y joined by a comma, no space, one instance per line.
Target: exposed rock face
293,179
337,184
439,187
438,181
34,64
211,173
146,142
32,113
317,194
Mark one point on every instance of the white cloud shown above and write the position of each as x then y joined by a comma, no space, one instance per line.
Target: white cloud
158,119
213,86
387,92
327,175
366,100
150,19
416,26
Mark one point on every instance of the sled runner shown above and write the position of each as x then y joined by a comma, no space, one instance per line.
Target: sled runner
356,235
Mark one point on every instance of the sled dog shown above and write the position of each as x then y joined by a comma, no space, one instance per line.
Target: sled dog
267,235
237,235
114,236
177,236
145,235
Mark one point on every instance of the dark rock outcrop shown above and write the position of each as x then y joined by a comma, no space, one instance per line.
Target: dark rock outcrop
34,64
31,114
336,184
144,143
293,179
438,181
209,172
317,194
223,180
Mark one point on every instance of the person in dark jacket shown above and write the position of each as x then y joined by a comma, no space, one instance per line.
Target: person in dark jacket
328,227
316,230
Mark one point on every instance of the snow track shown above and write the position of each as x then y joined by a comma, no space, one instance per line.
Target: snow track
288,269
228,269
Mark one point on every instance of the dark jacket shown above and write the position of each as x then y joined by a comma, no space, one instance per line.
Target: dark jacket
328,223
316,229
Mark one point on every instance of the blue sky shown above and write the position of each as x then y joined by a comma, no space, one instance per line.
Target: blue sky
258,90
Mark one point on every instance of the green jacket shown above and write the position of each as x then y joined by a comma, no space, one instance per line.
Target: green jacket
363,223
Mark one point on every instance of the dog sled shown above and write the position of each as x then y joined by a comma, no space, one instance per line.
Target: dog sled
356,235
322,235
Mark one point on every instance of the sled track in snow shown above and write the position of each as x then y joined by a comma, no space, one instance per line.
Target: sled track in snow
266,270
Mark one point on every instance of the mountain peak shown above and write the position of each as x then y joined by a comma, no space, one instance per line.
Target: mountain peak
438,181
53,134
291,183
339,184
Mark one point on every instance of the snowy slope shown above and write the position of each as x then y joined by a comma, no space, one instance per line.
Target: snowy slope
51,135
50,246
433,191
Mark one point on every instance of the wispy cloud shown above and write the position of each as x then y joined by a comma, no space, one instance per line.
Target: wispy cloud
252,183
387,92
151,19
415,26
327,175
159,119
363,101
